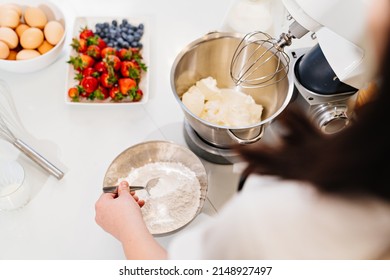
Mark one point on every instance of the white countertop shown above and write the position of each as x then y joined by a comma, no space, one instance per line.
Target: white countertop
58,222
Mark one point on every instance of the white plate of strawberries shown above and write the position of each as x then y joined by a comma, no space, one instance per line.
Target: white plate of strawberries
108,61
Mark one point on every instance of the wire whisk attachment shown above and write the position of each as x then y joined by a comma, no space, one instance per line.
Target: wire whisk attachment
11,129
259,60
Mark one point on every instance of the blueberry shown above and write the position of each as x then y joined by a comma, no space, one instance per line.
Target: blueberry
134,44
126,45
140,45
141,26
106,25
114,22
125,21
129,38
105,30
109,44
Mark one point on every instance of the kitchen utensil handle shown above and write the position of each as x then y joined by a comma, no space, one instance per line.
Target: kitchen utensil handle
37,158
111,189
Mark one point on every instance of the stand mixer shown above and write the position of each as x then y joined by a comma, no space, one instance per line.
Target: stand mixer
323,79
328,76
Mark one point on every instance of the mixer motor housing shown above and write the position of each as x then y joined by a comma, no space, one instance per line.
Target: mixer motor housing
329,102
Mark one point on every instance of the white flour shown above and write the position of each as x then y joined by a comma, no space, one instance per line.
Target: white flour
173,201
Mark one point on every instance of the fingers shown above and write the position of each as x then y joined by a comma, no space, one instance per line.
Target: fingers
105,196
123,188
140,202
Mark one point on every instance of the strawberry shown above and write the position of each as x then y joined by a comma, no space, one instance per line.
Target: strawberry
135,51
107,80
101,43
101,67
93,51
90,71
73,94
137,95
112,61
85,33
89,84
96,41
79,45
80,62
101,93
124,54
115,94
127,86
107,50
130,69
138,58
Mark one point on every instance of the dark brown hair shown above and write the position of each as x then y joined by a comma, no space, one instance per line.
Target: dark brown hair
355,161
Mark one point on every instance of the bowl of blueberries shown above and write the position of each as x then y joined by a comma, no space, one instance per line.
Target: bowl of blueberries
92,78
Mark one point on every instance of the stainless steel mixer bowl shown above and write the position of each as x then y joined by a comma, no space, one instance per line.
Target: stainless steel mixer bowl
211,55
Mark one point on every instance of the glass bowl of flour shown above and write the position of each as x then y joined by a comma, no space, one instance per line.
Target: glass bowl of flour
179,195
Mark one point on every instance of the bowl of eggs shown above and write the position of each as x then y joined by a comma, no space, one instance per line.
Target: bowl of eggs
32,35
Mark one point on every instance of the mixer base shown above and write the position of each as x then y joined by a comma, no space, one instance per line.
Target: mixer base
206,150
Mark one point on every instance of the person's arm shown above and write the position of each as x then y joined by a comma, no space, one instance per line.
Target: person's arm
121,217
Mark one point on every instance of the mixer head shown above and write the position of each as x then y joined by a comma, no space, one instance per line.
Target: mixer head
259,60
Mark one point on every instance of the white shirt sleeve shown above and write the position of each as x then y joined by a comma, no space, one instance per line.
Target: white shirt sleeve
271,219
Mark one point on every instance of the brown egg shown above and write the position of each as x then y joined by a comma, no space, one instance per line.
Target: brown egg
21,28
32,38
53,32
45,47
35,17
9,37
12,55
4,50
27,54
9,17
15,7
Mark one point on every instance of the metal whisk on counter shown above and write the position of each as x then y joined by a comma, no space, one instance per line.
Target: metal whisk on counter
260,60
10,124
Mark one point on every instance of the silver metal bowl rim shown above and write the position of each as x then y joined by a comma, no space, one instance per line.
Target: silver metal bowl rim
195,158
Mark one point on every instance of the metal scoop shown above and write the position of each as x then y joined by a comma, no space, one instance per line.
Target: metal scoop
149,185
260,60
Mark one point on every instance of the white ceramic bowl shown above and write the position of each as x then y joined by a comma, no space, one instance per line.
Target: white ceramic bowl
53,12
